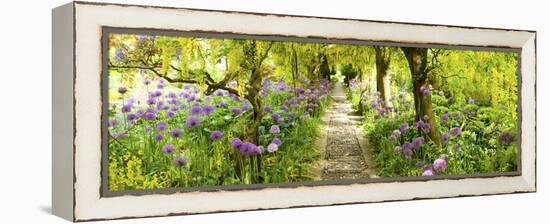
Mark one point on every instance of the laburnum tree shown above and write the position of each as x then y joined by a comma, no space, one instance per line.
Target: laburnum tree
420,66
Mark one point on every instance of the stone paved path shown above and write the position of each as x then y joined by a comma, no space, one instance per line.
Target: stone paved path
345,153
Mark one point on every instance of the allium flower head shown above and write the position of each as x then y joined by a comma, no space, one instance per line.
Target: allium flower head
147,128
275,129
223,104
275,117
215,135
168,149
397,149
170,114
445,116
149,116
277,141
428,172
418,142
176,133
440,165
404,127
180,161
208,109
147,82
271,148
122,90
127,108
131,117
236,143
419,164
426,117
161,125
235,110
407,153
120,135
195,109
267,109
159,137
192,122
455,131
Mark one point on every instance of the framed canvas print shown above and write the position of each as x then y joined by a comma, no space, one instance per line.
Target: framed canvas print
168,111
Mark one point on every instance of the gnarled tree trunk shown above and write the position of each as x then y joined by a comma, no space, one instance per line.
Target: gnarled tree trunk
418,63
383,56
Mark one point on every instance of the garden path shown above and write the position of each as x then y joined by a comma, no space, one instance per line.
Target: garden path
346,155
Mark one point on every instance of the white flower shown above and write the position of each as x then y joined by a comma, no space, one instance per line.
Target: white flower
272,147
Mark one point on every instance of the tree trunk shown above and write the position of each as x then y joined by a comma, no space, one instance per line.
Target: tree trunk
294,68
418,62
382,77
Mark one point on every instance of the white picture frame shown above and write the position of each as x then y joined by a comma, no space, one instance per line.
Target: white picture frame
77,109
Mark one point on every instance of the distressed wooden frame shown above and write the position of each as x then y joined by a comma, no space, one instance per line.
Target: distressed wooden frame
78,65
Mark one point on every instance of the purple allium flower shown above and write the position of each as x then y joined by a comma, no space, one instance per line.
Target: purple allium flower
156,93
147,82
160,86
373,105
120,135
419,164
277,141
428,172
168,149
275,117
246,106
426,117
149,116
445,138
192,122
247,148
236,143
161,125
424,91
131,117
418,142
275,129
170,114
186,86
208,109
407,153
195,109
175,133
397,149
455,131
392,138
397,133
267,109
506,138
445,116
235,110
284,108
113,122
159,137
440,165
126,108
271,148
215,135
223,104
122,90
404,127
180,161
147,128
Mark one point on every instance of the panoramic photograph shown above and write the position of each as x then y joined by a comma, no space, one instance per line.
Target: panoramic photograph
188,111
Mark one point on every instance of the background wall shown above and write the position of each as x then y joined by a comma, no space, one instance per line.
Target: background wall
25,127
